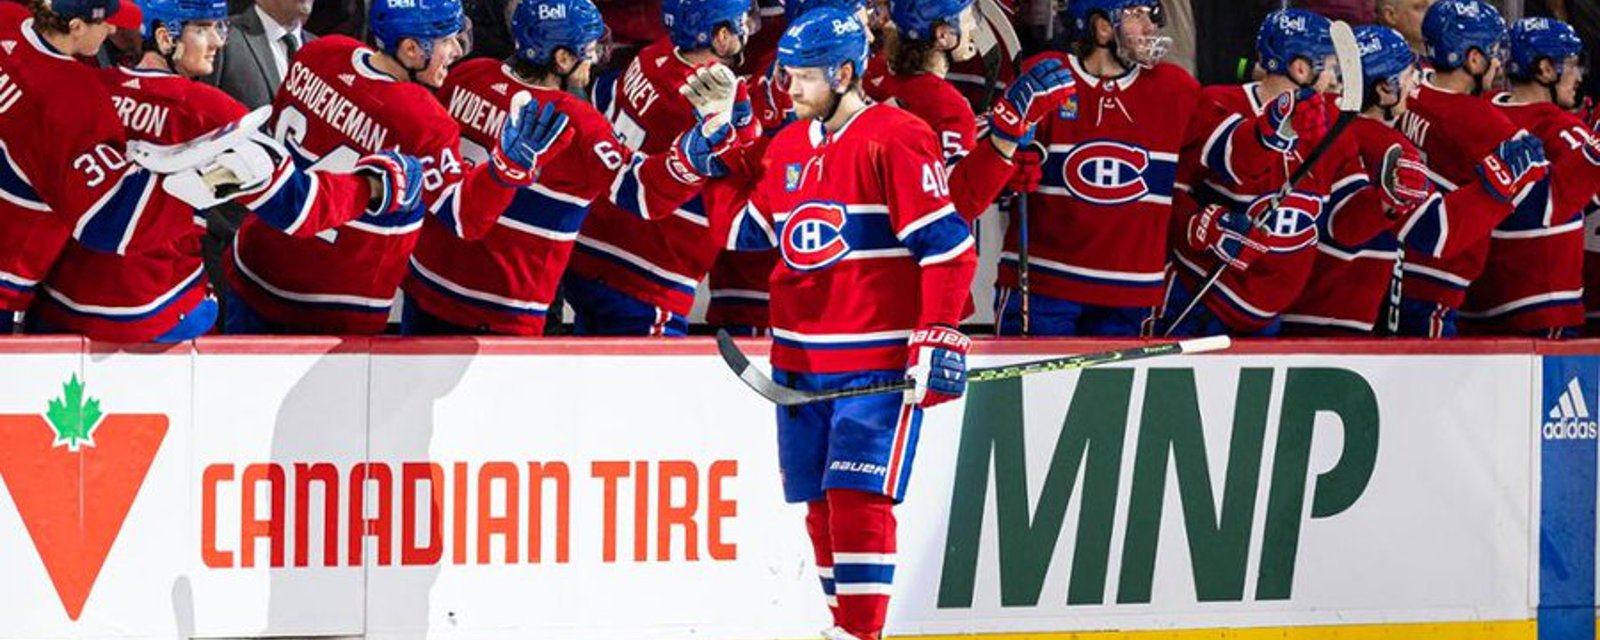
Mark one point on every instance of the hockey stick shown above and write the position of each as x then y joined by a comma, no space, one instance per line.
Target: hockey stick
168,159
1022,259
789,396
1351,86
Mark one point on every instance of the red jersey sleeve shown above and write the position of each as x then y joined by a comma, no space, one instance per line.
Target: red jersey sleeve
917,193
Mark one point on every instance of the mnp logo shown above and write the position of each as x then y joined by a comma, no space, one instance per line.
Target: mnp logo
74,472
813,235
1106,173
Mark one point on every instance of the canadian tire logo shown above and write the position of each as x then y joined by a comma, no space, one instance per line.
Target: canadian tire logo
73,473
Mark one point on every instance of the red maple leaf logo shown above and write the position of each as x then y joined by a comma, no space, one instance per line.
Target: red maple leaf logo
73,474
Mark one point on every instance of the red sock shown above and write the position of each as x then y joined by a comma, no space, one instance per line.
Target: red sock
822,545
863,530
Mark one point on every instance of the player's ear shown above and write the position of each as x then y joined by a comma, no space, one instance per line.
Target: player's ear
409,53
1546,72
1104,33
847,75
1300,72
947,35
564,61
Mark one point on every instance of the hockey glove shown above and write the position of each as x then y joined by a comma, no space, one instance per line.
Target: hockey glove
1029,160
534,132
240,173
1516,163
1039,92
1292,117
1403,180
703,153
1226,234
399,179
713,90
936,365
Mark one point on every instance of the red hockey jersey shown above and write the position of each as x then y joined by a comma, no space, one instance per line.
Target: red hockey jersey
504,281
1098,222
977,172
872,247
1249,300
659,261
108,295
1533,280
1454,131
339,274
1358,246
63,175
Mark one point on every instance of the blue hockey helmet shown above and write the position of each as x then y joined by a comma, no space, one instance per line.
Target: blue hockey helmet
1453,28
1080,12
1288,34
916,19
691,23
826,38
1534,39
542,26
796,8
393,21
1384,53
172,14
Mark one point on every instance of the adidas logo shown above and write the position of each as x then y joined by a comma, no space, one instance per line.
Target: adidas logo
500,88
349,79
1570,418
660,60
8,45
131,84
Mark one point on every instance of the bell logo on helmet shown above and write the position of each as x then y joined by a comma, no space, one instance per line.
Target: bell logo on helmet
402,4
846,27
556,12
1289,22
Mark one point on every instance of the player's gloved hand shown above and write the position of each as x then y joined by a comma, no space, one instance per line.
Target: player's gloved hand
1029,160
1037,93
1515,163
705,155
399,181
713,90
1293,116
936,365
532,133
1402,179
240,173
773,107
1228,235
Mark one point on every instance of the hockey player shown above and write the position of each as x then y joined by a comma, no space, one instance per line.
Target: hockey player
875,272
1358,236
1533,281
931,36
629,275
1098,240
503,281
1266,267
737,282
1465,141
340,100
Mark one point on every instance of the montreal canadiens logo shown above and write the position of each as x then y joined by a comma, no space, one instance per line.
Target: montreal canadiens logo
1294,223
1106,173
813,236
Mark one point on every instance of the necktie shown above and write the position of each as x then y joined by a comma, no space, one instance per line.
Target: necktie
290,45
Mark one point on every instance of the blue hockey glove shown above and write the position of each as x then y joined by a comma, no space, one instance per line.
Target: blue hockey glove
1227,235
703,153
1293,117
399,181
936,365
532,133
1039,92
